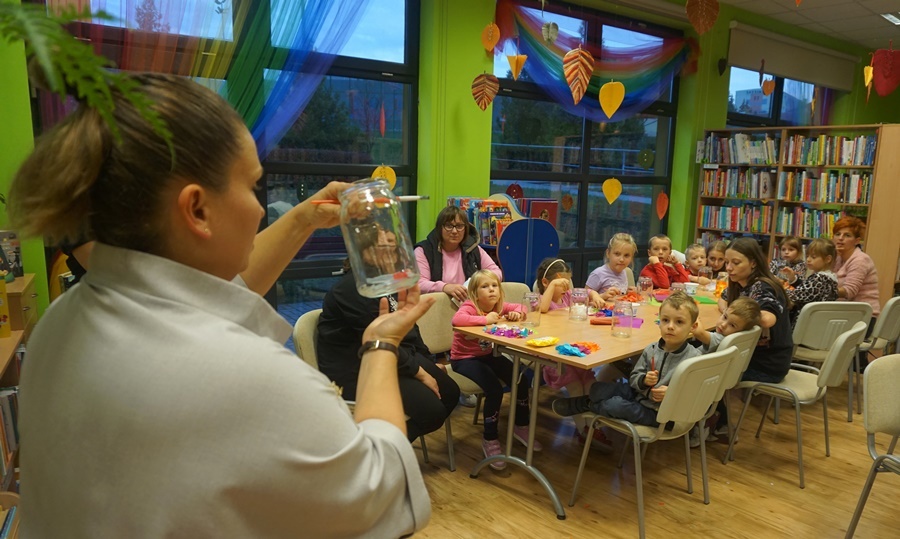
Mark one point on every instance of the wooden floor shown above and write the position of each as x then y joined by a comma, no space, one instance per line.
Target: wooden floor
756,495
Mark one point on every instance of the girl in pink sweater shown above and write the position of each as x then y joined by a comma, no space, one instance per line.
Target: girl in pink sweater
474,359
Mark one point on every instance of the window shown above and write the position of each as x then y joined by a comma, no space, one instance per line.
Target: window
548,153
791,102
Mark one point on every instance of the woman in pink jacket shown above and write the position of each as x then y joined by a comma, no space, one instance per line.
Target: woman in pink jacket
855,270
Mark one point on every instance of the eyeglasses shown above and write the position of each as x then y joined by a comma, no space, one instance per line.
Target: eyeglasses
458,228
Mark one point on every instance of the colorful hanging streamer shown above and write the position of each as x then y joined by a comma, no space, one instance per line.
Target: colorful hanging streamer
646,70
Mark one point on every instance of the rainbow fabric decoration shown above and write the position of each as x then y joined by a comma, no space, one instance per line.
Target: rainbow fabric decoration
645,70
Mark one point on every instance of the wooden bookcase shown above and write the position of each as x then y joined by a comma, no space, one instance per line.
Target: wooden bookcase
773,182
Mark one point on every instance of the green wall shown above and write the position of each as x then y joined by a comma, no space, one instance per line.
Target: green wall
16,142
454,134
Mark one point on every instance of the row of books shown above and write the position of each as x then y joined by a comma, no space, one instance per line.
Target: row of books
830,150
9,427
741,149
756,219
847,188
737,183
490,217
806,222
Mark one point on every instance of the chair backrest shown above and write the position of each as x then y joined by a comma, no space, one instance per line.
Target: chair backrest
694,387
305,333
882,410
820,323
745,342
887,327
435,325
837,362
514,292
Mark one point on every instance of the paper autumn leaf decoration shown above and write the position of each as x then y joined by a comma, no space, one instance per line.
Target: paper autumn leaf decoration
868,74
611,96
612,188
768,86
484,89
567,202
662,205
702,14
886,71
516,62
799,2
578,66
490,36
387,174
550,31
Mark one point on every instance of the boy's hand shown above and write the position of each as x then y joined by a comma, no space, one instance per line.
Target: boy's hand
651,378
657,394
492,318
703,280
653,260
514,316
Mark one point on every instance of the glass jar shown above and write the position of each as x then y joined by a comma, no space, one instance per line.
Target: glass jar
646,286
532,304
622,319
377,239
578,307
706,272
721,283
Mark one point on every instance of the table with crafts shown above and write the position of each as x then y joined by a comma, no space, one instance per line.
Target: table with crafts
557,324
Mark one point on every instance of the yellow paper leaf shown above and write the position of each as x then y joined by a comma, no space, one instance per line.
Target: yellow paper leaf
612,188
490,36
484,89
868,73
578,66
516,62
387,174
611,96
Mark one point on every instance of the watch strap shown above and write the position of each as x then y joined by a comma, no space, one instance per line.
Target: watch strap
378,345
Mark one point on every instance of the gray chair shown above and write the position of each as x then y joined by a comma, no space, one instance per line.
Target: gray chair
806,385
817,327
305,335
881,414
694,386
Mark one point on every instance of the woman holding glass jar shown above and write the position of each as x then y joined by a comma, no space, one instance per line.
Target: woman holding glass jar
450,255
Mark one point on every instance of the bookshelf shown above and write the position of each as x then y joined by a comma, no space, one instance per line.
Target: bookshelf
774,182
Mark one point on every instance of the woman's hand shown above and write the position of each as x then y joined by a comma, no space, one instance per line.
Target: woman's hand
491,318
456,291
514,316
392,327
326,215
429,381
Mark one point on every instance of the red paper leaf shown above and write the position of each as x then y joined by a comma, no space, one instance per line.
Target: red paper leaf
578,66
662,205
484,89
886,71
702,14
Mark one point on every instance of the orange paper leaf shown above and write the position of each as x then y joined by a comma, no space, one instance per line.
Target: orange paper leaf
490,36
516,62
387,174
484,89
799,2
611,96
702,14
578,66
612,188
768,86
662,205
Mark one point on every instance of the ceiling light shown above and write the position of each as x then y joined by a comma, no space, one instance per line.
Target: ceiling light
891,17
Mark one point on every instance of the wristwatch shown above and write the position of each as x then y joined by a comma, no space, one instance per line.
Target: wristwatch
378,345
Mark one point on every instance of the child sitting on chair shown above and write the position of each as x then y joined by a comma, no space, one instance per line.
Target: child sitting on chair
663,268
610,280
743,313
475,359
694,259
638,401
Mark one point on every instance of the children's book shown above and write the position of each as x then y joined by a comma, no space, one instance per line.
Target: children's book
12,249
547,210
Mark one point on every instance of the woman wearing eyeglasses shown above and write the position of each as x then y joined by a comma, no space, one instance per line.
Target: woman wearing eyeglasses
450,255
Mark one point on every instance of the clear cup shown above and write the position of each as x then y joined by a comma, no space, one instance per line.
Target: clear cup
622,319
578,307
532,303
377,239
691,288
646,286
675,287
707,273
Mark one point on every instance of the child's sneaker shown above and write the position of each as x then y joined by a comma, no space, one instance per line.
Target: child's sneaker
492,448
694,436
600,440
469,401
521,434
570,406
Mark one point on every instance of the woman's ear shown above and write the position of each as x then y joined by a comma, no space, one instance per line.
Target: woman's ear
193,209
